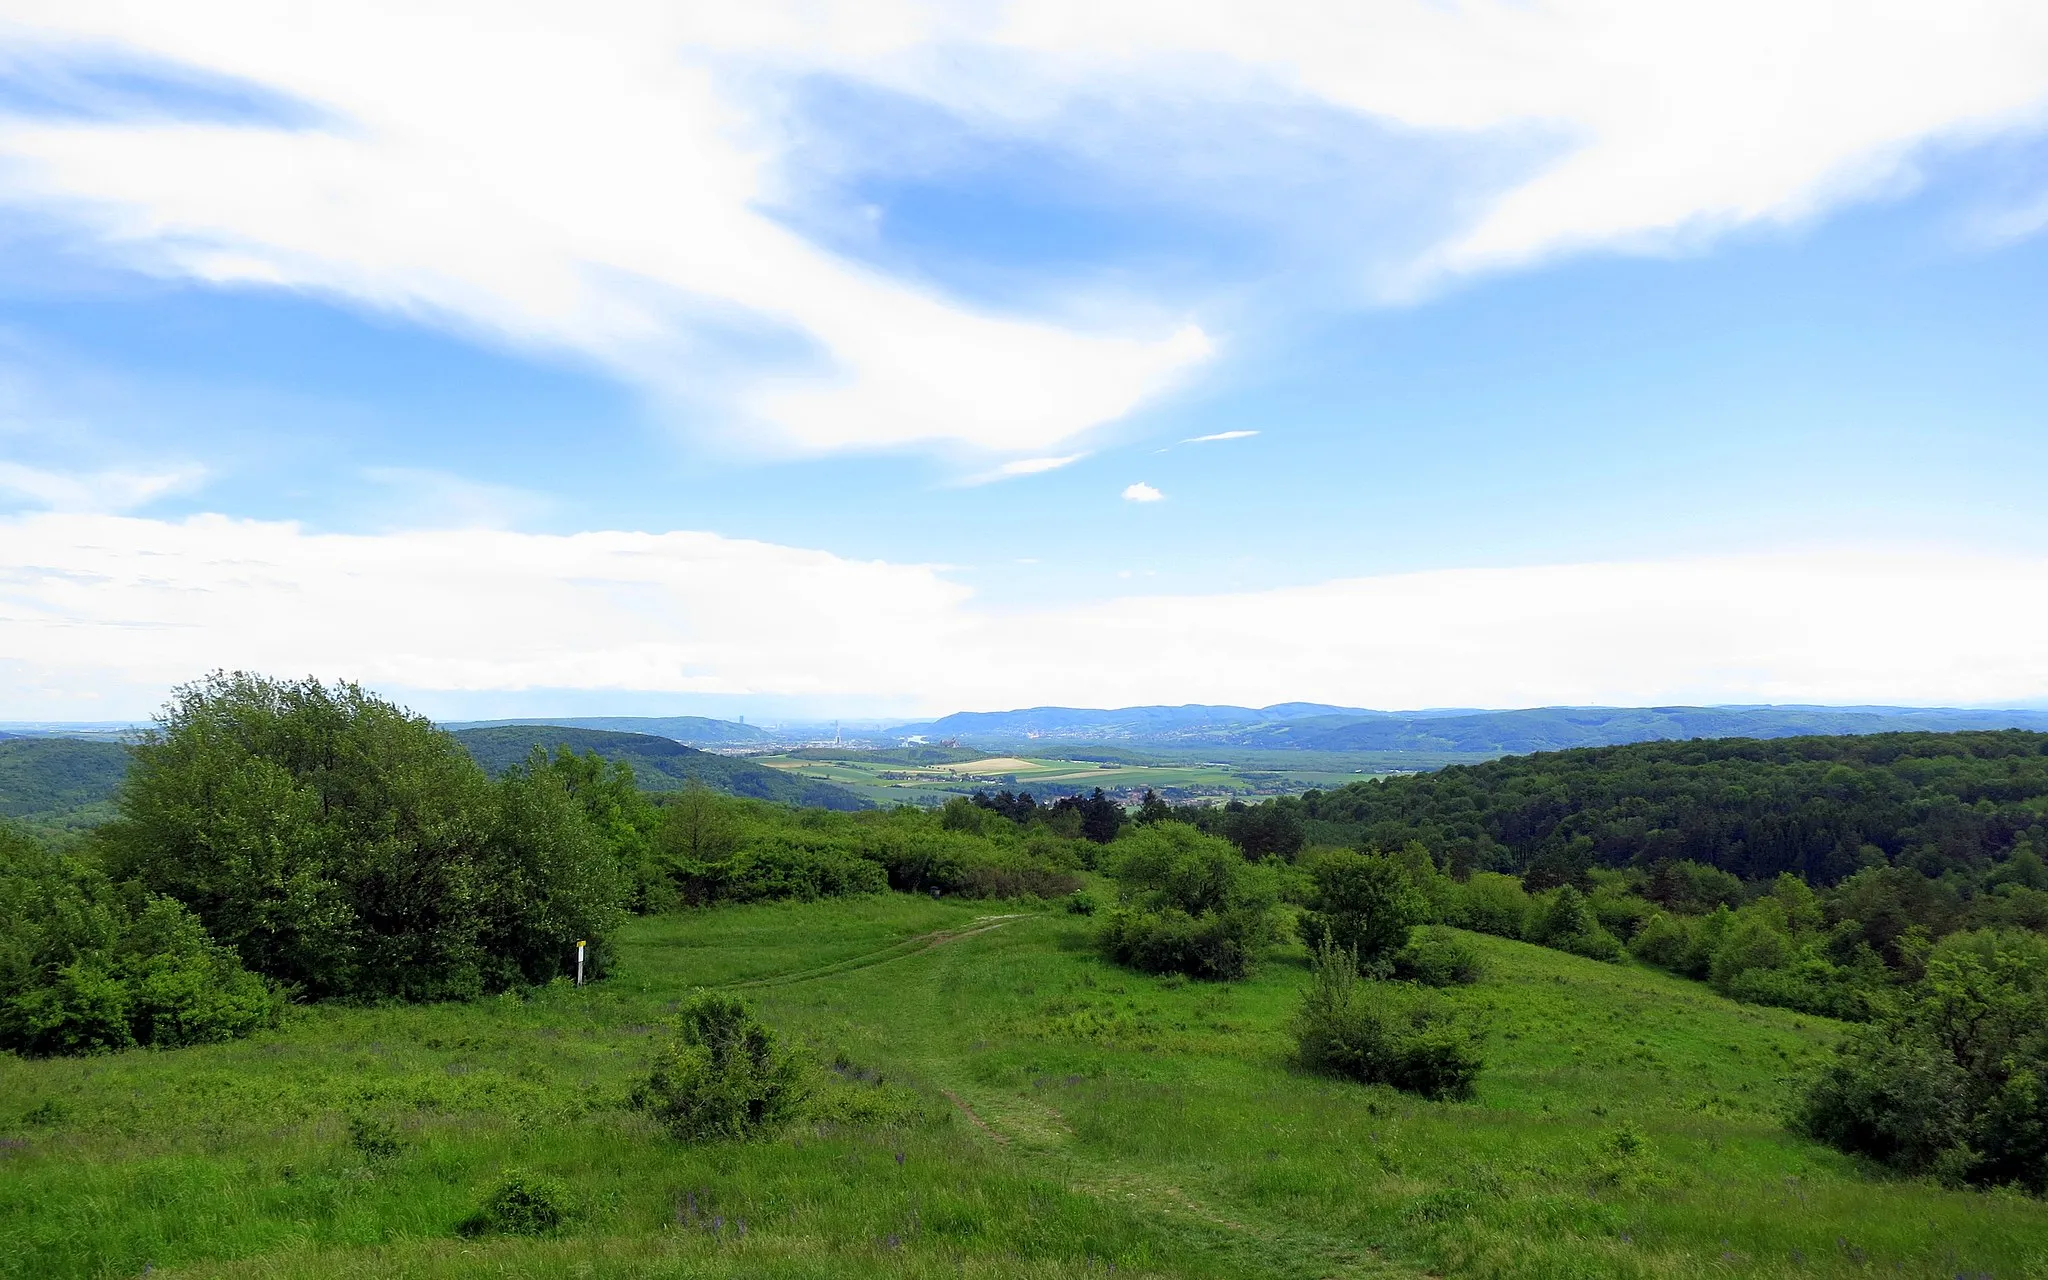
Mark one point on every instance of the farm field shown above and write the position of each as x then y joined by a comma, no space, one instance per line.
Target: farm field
1012,1105
894,777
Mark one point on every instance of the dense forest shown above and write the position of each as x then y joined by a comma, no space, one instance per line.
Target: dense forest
1821,808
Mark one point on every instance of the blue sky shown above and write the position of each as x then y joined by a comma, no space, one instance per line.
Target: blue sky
806,362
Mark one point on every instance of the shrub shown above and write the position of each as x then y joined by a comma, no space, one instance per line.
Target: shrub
1566,922
1666,942
1190,904
1361,903
1218,945
723,1075
347,847
1436,957
86,966
520,1205
1493,903
1952,1081
1353,1029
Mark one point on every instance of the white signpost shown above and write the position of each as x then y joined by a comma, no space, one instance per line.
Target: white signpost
579,962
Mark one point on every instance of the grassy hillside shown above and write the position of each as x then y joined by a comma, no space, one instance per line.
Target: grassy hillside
59,784
1055,1117
660,764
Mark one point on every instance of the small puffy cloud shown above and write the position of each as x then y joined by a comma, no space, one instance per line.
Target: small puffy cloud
1142,492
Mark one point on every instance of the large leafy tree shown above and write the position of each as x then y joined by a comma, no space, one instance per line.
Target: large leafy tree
348,847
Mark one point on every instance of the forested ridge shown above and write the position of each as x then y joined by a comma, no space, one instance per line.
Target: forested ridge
1820,807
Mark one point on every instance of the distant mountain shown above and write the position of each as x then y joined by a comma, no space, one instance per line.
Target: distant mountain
59,782
1179,724
695,731
659,764
1304,726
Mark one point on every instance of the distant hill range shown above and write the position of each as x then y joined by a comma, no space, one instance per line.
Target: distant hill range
695,731
58,784
1307,726
659,763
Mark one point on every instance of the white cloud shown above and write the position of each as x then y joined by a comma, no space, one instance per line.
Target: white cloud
1018,467
587,183
1220,435
102,614
1141,492
94,490
593,178
1669,119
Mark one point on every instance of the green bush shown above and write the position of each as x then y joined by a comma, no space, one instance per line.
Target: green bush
1492,903
520,1205
1361,903
1954,1081
346,847
1436,957
86,965
1356,1030
1190,904
723,1075
1565,921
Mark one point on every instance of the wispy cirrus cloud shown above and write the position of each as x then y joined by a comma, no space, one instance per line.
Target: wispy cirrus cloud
603,181
96,491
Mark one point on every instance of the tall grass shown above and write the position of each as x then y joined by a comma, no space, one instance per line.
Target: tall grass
1068,1116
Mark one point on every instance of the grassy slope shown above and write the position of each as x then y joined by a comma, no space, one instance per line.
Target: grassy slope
1114,1119
659,764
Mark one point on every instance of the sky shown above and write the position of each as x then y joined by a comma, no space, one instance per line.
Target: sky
891,359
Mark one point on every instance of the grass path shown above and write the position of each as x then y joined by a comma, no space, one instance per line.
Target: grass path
895,951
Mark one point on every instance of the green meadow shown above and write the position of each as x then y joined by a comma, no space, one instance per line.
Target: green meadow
991,1099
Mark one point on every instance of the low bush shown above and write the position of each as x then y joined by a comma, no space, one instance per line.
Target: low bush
723,1075
520,1205
1564,920
1218,945
1362,1032
778,866
1190,904
1436,957
1490,902
87,965
1954,1081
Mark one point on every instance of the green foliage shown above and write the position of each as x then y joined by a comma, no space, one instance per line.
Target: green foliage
1361,903
59,784
1952,1081
1190,904
346,847
723,1075
1492,903
1349,1028
522,1204
1564,919
85,966
1932,802
1437,957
